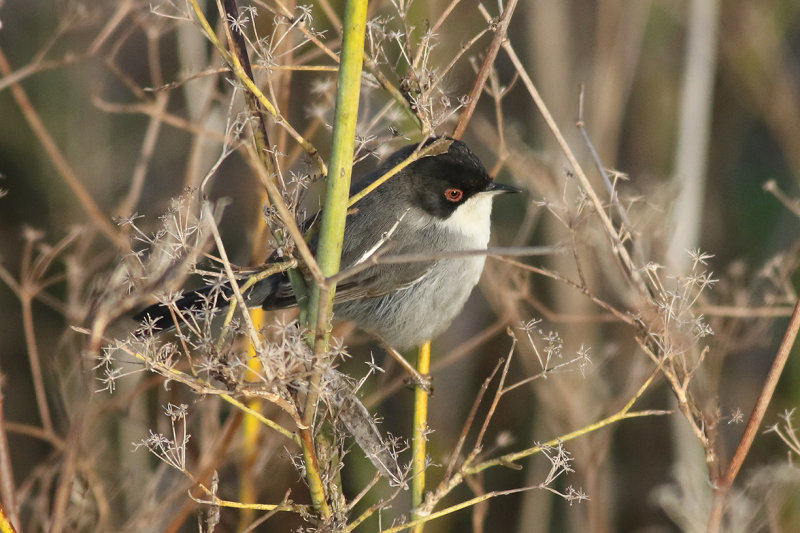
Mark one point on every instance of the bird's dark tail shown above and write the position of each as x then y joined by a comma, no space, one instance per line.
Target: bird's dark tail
270,293
201,301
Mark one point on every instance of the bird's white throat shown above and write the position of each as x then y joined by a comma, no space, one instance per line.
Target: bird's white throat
473,220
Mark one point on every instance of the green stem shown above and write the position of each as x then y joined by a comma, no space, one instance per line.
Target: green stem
334,212
341,164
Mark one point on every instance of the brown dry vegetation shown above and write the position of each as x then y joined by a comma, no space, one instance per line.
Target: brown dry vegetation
600,379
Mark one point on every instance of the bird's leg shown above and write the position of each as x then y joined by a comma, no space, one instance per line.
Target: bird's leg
423,380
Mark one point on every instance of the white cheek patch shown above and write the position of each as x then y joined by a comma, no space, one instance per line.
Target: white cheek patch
472,219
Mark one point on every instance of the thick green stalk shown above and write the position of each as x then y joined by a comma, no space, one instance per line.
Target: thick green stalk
341,164
334,211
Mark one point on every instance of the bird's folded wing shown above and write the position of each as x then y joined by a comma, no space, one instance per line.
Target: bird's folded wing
381,279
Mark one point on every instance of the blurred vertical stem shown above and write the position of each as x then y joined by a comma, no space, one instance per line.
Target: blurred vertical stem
418,439
694,134
334,211
696,108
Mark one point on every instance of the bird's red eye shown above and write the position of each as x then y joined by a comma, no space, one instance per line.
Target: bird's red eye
454,195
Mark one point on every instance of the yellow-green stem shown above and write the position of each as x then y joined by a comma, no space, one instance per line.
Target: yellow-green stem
418,440
334,212
341,165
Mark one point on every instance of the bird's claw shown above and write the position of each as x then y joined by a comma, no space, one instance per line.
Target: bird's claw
423,381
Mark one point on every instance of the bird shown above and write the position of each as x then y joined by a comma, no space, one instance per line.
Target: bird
434,208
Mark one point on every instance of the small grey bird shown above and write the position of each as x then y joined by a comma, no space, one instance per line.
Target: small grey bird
437,204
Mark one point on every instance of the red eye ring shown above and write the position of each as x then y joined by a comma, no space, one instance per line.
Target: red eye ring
454,195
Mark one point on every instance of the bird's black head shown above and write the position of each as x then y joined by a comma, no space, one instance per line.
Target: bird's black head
443,182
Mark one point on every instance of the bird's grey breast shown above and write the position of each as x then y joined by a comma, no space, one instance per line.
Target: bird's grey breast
425,296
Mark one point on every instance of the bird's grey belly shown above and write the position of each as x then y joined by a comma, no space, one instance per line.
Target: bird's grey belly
409,317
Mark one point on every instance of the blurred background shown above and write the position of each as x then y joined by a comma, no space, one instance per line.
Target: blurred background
112,108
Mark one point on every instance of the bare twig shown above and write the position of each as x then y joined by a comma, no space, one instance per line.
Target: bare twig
153,128
753,425
455,455
501,27
611,231
93,211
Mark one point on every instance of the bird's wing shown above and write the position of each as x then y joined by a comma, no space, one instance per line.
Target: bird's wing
380,279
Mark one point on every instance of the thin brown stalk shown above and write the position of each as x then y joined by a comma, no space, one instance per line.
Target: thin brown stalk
34,360
138,91
215,71
745,312
70,177
123,8
611,231
66,478
145,156
498,394
497,93
464,49
36,67
756,418
38,64
452,357
287,54
153,110
500,31
286,12
378,259
255,338
624,317
627,226
208,465
128,205
336,22
481,509
454,456
432,31
34,432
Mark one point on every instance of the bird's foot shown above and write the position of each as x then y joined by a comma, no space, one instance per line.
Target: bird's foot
423,381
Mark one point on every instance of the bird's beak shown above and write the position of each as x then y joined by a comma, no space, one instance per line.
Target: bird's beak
500,188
